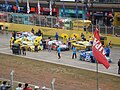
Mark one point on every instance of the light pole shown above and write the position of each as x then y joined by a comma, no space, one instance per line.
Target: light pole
83,13
77,12
11,79
89,4
50,7
53,84
63,9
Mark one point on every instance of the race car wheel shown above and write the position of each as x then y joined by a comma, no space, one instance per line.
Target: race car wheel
82,58
29,49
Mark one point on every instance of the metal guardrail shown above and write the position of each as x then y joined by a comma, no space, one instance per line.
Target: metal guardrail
35,19
53,22
108,30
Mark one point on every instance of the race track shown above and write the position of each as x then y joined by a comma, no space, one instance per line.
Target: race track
66,57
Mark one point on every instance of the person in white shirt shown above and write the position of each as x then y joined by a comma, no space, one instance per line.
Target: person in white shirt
19,87
49,45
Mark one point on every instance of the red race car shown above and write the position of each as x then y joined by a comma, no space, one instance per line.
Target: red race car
56,43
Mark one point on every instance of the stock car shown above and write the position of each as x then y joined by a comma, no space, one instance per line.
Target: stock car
56,43
30,46
88,56
27,39
82,45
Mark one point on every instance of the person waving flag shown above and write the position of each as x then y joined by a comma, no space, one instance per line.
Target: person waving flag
98,50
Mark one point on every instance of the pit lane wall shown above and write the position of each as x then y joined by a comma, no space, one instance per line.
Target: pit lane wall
52,31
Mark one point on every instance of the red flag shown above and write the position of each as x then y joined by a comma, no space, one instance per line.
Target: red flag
98,50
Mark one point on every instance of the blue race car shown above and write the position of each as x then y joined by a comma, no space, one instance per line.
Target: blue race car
88,56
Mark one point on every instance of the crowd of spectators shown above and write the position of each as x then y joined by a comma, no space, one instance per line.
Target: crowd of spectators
6,86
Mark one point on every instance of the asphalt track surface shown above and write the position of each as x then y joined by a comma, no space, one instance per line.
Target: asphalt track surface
65,57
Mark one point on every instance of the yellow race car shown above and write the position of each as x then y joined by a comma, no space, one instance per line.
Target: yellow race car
73,41
82,45
30,46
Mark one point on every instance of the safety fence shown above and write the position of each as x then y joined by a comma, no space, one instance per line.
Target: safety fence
57,22
37,20
107,30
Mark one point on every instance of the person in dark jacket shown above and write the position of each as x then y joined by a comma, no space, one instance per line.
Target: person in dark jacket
32,31
39,33
14,35
4,86
119,66
44,44
82,36
23,50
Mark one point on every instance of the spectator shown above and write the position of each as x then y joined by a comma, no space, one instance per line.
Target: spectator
4,86
14,35
64,40
56,36
92,57
11,42
49,45
74,38
82,36
26,87
119,66
2,29
36,87
45,21
39,32
47,40
6,29
84,28
19,87
90,40
44,88
36,44
23,50
107,49
58,51
109,44
69,42
44,44
74,52
32,31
